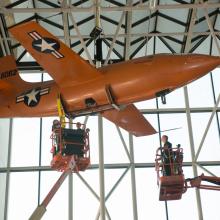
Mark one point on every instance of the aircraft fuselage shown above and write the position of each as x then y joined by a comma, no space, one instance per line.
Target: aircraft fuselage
140,79
131,81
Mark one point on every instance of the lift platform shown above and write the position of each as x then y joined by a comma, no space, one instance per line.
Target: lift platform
68,143
171,187
70,153
170,178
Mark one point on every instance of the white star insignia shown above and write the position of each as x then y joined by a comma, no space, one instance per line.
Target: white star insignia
32,96
44,45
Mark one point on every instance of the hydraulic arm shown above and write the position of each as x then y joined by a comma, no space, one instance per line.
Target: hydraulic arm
41,209
198,182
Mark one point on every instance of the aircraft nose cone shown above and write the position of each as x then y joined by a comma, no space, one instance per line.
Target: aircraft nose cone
215,60
202,57
191,67
207,59
212,59
203,63
212,62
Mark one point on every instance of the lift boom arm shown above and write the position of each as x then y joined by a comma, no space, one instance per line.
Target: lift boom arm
41,209
197,182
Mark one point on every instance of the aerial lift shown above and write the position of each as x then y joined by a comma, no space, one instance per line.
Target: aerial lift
70,153
170,178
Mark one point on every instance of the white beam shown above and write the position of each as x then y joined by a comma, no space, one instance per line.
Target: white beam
81,39
7,49
114,38
207,128
106,166
135,35
101,168
123,143
133,179
188,114
211,29
108,8
206,170
128,31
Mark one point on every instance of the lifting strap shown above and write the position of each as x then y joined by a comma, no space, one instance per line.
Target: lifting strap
61,111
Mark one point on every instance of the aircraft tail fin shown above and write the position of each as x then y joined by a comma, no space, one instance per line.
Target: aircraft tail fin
10,80
9,75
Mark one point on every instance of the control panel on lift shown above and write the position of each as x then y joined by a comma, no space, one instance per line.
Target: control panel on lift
70,145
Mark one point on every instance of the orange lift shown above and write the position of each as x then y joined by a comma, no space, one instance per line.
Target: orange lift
70,149
170,178
71,153
70,144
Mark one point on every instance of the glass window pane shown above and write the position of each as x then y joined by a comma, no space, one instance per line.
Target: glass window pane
148,202
204,47
2,194
113,148
25,142
4,137
85,204
23,194
92,124
149,104
177,136
31,77
46,155
145,147
210,205
200,92
174,99
216,78
211,148
58,206
120,202
209,198
47,77
186,208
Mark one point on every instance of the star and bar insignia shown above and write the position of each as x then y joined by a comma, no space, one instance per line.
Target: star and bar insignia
45,45
31,98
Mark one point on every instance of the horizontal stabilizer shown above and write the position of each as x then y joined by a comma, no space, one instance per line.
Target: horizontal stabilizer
131,120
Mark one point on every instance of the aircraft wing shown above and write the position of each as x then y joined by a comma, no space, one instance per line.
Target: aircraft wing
64,65
131,120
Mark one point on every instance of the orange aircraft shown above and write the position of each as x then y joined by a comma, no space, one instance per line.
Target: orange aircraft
110,90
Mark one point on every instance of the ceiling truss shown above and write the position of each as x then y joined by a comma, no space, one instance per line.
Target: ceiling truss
124,35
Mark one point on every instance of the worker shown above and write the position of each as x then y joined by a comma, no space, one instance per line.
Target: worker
56,130
78,126
165,141
56,125
80,139
178,159
167,155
